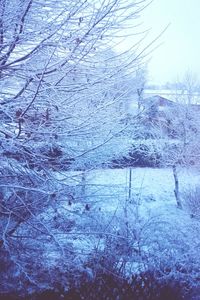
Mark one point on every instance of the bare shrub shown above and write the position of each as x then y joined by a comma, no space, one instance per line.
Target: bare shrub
191,200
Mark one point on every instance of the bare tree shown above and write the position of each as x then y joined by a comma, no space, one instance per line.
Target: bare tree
62,99
181,124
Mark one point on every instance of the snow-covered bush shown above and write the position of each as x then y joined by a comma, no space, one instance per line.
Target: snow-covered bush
111,287
154,247
143,286
191,200
139,155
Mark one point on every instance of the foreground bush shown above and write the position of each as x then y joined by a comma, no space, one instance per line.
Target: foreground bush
191,199
144,286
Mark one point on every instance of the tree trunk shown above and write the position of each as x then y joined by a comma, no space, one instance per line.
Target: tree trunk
176,190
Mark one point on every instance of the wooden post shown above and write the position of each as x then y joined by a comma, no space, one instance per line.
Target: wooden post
130,184
83,185
176,190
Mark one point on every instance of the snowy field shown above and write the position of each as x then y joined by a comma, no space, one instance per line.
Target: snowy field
149,191
150,186
147,205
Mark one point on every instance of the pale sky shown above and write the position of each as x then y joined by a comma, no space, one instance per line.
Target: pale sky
180,49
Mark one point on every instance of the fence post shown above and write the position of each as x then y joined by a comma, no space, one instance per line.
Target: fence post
130,184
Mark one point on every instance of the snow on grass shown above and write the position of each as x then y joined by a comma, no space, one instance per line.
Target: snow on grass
152,187
149,207
111,201
107,189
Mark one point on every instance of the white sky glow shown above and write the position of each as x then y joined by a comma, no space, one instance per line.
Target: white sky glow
180,44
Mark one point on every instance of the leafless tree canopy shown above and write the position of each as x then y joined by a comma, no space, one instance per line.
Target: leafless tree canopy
63,97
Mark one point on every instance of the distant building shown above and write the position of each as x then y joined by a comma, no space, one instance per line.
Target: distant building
177,96
157,101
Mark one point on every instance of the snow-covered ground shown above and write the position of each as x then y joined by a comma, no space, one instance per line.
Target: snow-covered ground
151,190
108,186
102,202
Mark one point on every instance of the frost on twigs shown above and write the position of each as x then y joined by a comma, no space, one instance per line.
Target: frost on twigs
191,200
